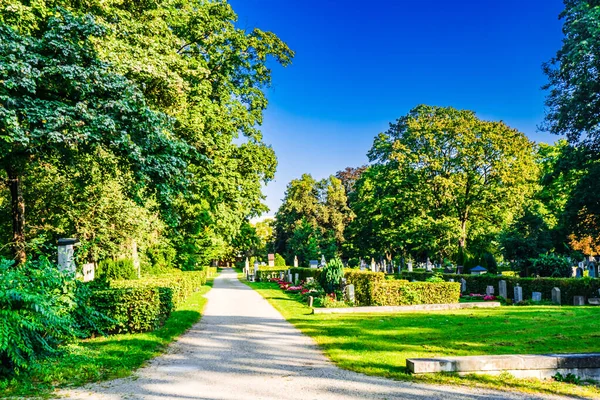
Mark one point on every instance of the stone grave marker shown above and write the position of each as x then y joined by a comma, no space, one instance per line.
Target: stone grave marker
556,296
579,272
323,262
349,293
271,260
578,300
409,266
66,259
450,280
314,263
88,272
295,261
428,265
463,285
310,301
373,265
281,275
592,270
489,291
536,296
296,278
289,277
459,269
502,290
518,292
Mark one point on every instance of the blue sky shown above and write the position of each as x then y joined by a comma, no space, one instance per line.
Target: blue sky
362,64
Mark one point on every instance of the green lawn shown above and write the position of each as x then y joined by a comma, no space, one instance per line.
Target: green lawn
379,344
105,358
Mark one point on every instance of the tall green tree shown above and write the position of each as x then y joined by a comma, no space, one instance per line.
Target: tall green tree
466,177
58,100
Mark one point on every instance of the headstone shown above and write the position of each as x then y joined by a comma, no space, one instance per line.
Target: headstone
314,263
592,270
536,296
349,293
88,272
578,300
281,275
271,259
518,294
409,266
384,266
489,291
296,280
459,269
463,285
502,290
289,277
66,259
450,280
556,296
373,265
579,272
295,261
428,265
310,301
363,265
323,262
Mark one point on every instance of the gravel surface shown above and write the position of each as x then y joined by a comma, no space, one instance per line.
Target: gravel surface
244,349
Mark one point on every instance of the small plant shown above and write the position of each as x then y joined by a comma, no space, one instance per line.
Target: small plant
332,274
436,278
568,378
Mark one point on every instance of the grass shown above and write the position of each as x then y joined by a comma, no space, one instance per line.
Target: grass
104,358
380,344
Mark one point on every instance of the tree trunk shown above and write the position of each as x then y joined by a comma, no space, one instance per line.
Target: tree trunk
18,215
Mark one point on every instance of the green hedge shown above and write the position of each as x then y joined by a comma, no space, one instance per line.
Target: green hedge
145,304
367,285
569,287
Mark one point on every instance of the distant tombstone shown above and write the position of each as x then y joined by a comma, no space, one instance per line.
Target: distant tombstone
578,300
246,267
281,275
409,266
579,272
459,269
88,272
574,273
463,285
66,259
450,280
323,262
271,260
536,296
489,291
289,277
314,263
556,296
349,293
518,294
592,270
373,265
295,261
363,265
502,290
310,301
428,265
384,266
296,278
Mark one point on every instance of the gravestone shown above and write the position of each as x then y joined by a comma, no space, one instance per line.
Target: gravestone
373,265
578,300
349,293
363,265
310,301
66,259
556,296
502,290
450,280
463,285
281,274
536,296
88,272
271,260
409,266
314,263
518,292
428,265
296,277
289,277
592,270
295,261
489,291
579,272
323,262
459,269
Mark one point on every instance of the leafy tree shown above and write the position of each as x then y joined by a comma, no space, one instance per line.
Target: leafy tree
552,265
58,101
349,176
463,178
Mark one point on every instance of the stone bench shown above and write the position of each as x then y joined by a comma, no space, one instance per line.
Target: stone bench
541,366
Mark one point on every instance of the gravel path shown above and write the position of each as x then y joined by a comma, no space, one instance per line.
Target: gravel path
244,349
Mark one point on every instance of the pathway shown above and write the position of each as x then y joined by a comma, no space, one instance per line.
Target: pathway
244,349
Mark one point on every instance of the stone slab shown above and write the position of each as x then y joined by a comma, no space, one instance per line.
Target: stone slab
540,366
401,309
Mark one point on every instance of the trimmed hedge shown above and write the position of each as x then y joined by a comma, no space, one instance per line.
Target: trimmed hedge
367,285
569,287
145,304
266,273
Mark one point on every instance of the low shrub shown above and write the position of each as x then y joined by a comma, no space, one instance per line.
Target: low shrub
331,275
366,284
552,265
279,260
116,269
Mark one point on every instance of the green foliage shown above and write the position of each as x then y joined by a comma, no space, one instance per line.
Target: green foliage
436,277
569,287
279,260
331,275
37,313
552,265
116,269
400,293
569,378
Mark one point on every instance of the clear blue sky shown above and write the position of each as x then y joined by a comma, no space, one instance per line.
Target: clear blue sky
362,64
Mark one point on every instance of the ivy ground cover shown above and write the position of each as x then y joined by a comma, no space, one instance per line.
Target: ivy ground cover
379,344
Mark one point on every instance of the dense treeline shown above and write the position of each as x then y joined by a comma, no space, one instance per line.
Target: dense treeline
447,186
125,122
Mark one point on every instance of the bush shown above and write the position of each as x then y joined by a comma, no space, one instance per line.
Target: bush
120,269
279,261
569,287
366,284
37,304
353,263
552,265
331,275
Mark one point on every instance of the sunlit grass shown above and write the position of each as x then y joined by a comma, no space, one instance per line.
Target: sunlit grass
379,344
105,358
